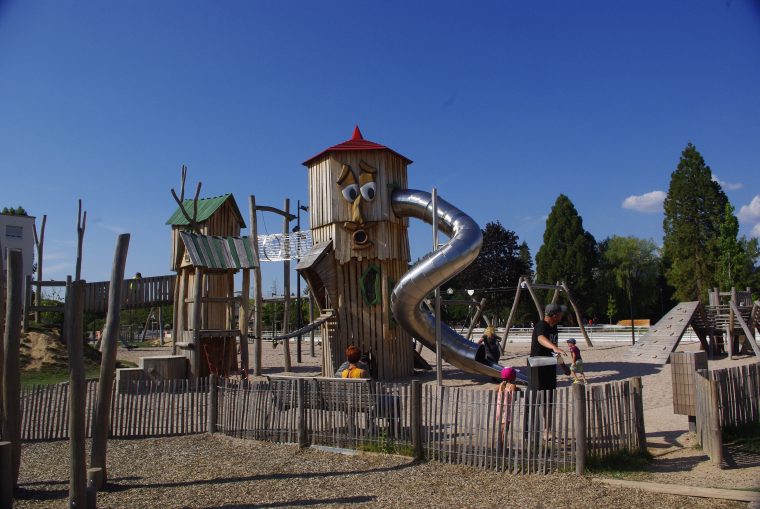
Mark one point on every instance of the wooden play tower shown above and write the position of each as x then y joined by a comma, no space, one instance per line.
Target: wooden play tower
207,251
360,251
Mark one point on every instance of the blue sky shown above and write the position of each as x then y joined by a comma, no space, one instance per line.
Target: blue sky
501,105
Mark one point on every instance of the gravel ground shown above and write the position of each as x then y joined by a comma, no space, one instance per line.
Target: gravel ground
222,472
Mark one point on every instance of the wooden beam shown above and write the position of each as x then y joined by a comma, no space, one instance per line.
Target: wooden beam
512,313
101,418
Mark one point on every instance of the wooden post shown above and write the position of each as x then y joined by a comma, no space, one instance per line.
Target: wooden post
77,394
286,284
715,428
27,303
94,479
81,225
311,320
245,303
512,313
257,320
161,325
176,308
535,299
579,413
213,403
196,321
578,314
11,369
303,439
40,242
416,419
638,411
6,474
480,306
101,419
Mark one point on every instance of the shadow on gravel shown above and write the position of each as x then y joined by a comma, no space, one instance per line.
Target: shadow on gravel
683,464
735,456
300,503
118,486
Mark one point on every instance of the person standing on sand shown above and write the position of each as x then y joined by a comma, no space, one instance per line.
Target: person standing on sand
544,344
576,366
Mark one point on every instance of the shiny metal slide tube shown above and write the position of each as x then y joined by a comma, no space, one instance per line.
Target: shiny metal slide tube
465,240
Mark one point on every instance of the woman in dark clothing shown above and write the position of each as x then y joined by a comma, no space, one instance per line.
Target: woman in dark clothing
491,342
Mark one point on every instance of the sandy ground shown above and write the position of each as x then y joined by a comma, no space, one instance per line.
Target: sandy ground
222,472
677,460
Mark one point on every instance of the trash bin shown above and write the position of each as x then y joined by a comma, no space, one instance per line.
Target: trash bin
533,364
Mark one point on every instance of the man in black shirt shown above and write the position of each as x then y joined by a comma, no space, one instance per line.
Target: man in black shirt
544,343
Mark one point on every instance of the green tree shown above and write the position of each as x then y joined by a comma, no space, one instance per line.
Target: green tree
498,265
633,266
694,211
18,211
732,256
611,308
568,253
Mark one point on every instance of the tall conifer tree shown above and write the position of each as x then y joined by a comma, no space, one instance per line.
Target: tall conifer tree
568,252
694,212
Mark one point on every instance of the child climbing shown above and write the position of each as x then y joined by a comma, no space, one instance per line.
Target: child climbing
504,399
576,366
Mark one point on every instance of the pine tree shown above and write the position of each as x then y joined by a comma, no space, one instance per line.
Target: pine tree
694,211
568,253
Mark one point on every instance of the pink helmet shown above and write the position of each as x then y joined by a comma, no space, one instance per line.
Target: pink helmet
509,374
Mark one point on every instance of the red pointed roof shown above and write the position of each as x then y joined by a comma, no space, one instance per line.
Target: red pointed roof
357,142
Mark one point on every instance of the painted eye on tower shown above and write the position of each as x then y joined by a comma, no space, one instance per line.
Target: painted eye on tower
368,191
350,192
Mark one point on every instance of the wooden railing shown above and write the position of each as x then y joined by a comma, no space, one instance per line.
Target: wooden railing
136,293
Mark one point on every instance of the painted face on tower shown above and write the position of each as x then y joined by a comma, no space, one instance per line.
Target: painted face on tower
359,189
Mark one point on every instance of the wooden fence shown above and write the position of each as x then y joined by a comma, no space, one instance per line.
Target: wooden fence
138,409
535,432
725,398
738,395
136,293
708,429
540,431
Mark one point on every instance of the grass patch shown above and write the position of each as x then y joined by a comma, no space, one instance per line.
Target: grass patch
746,437
386,445
619,464
57,375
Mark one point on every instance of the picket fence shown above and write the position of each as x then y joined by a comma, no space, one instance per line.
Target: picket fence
535,432
725,398
138,409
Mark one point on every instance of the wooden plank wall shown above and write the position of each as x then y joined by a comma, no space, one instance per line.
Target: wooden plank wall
328,210
370,327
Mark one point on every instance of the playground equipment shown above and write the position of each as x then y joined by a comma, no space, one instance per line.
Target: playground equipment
524,283
358,209
206,259
711,323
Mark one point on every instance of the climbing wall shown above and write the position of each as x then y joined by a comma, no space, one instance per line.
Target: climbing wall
662,339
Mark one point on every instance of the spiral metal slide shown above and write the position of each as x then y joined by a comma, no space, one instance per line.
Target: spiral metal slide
437,267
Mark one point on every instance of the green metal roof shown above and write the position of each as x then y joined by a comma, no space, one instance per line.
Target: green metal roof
206,209
219,252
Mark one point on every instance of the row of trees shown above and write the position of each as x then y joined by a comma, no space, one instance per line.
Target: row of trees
620,276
